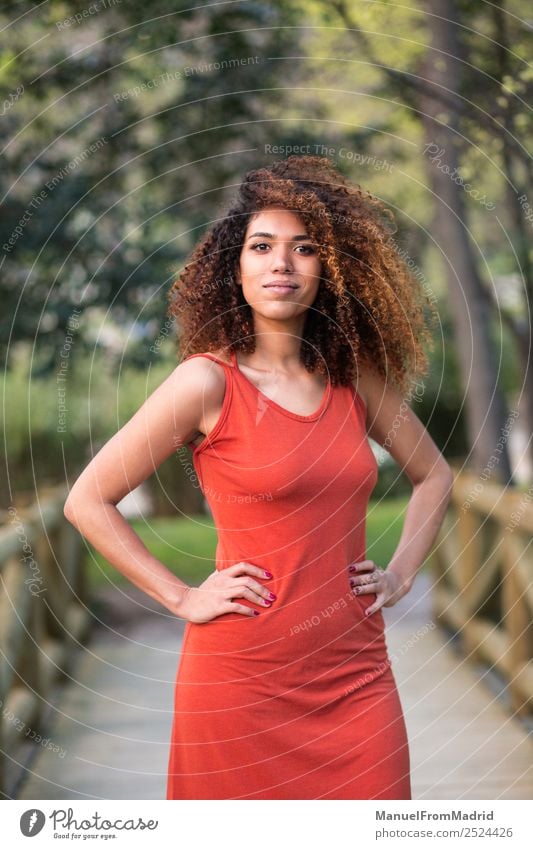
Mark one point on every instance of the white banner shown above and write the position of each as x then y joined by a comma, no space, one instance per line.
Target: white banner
269,824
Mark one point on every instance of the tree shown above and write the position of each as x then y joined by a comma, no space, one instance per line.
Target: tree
446,88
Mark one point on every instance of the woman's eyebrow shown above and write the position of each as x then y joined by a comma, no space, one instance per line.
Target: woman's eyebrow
273,236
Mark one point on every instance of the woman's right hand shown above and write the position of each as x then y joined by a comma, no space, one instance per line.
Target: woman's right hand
215,596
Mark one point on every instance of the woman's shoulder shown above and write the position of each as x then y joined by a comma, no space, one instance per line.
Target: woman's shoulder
203,379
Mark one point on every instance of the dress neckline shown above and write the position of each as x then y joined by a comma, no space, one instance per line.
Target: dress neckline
326,397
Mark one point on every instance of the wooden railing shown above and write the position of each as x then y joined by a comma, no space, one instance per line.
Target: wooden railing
483,591
43,614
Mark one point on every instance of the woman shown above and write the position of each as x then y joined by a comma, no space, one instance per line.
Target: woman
303,329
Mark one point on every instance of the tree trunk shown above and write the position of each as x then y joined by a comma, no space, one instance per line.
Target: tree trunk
485,404
521,329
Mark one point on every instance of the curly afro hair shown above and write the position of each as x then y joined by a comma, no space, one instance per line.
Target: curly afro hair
368,307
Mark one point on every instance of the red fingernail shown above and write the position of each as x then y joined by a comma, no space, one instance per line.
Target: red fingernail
269,574
352,568
256,613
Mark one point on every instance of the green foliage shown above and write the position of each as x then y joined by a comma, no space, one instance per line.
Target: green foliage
110,224
61,420
175,111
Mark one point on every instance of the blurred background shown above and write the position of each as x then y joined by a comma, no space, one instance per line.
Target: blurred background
126,131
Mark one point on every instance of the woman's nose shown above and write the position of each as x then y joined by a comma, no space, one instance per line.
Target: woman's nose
281,260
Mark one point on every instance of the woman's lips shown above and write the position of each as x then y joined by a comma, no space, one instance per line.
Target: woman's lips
281,288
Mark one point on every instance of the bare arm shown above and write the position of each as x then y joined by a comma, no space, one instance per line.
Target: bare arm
183,405
393,424
169,418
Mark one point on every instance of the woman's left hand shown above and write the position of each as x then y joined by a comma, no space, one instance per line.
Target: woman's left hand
367,577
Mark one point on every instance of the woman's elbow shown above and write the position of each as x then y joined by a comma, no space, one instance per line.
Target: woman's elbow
77,505
70,511
446,475
441,475
82,506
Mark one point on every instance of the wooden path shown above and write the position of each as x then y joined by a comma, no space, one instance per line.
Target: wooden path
112,722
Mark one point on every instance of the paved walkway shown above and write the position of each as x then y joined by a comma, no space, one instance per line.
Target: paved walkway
113,719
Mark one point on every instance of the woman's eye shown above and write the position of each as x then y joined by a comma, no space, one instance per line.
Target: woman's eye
307,248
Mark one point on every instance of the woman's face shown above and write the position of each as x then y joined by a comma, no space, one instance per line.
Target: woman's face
277,250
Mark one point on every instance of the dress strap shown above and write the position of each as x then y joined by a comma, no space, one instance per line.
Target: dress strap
210,356
228,393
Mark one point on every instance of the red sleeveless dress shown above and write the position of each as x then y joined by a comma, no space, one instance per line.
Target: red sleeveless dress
299,702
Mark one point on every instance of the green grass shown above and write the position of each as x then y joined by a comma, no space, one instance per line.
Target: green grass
383,528
187,545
